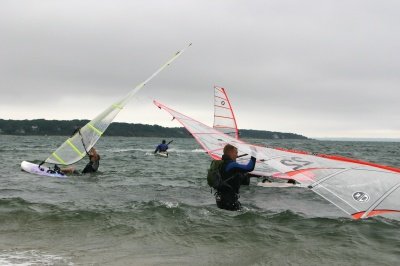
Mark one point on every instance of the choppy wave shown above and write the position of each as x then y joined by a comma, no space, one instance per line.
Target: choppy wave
15,207
145,211
117,150
31,258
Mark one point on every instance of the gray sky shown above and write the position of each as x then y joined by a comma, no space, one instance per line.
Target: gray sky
318,68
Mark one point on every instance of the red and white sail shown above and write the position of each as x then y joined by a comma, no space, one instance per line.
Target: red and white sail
360,189
224,118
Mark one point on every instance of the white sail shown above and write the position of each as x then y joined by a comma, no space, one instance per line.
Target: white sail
76,147
224,118
360,189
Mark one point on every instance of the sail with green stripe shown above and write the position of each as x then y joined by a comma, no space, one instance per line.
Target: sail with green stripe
76,147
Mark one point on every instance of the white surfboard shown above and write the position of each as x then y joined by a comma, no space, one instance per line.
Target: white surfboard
161,154
278,185
42,170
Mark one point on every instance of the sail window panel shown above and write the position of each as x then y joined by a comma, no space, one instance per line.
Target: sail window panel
219,94
210,143
264,169
104,120
222,114
69,154
199,128
312,176
357,188
390,203
89,137
224,120
57,158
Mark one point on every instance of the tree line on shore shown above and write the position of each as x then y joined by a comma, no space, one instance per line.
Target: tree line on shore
42,127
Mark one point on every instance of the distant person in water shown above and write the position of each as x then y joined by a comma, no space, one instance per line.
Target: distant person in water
91,167
162,147
234,175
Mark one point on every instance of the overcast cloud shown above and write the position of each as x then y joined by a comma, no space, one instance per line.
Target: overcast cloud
318,68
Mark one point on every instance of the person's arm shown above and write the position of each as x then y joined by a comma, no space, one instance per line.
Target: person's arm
157,148
242,167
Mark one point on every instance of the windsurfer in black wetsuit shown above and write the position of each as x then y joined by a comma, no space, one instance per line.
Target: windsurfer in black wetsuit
91,167
234,176
94,161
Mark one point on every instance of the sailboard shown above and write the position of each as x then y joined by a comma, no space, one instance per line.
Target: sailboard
42,170
224,118
360,189
77,146
278,185
161,154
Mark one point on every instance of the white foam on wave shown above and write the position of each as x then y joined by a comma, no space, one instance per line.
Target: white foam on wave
152,150
31,258
186,151
198,150
128,150
169,204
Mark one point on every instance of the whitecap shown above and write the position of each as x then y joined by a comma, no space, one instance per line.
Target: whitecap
31,257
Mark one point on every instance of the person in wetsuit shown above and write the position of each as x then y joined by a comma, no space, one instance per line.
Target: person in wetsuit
94,162
233,174
91,167
162,147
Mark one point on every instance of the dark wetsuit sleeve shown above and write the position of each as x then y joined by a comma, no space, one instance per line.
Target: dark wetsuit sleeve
245,168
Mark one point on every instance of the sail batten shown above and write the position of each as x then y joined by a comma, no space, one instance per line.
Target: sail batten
327,177
58,158
70,151
74,148
98,132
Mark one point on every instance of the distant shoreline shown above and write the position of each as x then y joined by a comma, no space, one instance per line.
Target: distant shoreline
361,139
42,127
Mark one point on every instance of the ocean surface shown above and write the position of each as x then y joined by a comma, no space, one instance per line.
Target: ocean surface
145,210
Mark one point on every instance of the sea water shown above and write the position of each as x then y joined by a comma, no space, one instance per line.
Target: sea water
140,209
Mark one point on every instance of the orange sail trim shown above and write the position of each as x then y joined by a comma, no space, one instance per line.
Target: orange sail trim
359,215
350,160
344,159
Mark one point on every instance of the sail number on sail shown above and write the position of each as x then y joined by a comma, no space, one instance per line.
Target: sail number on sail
295,162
